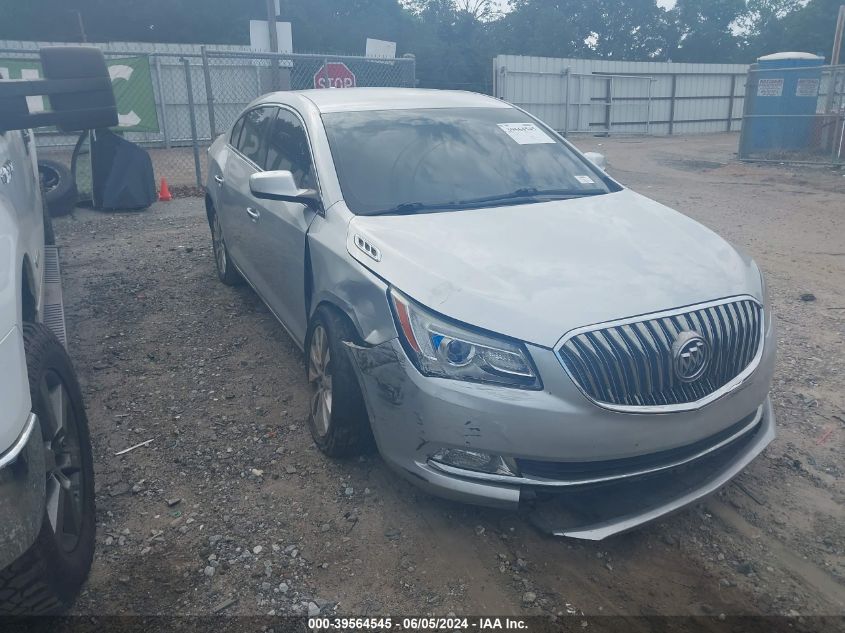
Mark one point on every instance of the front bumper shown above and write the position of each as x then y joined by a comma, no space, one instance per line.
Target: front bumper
21,493
414,416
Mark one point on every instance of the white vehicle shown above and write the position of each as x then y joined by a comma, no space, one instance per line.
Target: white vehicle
47,522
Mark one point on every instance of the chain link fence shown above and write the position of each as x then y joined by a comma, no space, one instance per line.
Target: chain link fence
794,115
175,104
234,79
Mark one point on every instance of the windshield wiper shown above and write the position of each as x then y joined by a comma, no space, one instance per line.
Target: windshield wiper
409,208
526,193
533,192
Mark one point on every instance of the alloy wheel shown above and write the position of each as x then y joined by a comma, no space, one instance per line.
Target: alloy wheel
320,378
63,462
219,246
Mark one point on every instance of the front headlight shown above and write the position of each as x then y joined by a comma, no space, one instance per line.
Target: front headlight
443,348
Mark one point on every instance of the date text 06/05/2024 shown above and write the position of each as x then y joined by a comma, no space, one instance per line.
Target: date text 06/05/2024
417,624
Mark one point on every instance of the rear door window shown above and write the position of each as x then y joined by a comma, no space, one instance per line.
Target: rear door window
253,140
287,149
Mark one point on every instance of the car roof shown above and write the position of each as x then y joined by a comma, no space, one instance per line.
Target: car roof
357,99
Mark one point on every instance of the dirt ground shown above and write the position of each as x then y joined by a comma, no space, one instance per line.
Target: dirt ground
231,509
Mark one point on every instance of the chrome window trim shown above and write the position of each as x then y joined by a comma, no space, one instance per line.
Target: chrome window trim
518,480
15,449
722,391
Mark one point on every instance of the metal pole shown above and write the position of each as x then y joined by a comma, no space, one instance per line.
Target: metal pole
580,79
672,104
271,25
747,107
837,37
568,73
731,104
834,60
209,93
648,108
81,25
193,117
274,44
162,103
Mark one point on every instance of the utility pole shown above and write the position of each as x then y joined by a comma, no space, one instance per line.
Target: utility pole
837,38
271,25
274,44
832,82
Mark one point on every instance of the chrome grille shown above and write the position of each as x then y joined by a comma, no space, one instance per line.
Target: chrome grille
630,363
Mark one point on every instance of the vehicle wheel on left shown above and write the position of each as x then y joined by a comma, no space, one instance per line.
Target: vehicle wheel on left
338,417
47,577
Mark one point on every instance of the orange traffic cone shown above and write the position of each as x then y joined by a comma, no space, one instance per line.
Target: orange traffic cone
164,194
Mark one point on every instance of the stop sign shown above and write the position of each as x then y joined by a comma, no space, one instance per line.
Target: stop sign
334,75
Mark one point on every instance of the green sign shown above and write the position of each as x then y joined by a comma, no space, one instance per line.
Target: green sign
131,80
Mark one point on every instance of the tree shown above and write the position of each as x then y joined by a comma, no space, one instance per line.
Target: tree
453,44
454,40
217,21
704,30
631,30
634,29
809,28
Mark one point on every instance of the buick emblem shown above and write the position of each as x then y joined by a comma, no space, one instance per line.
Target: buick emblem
690,356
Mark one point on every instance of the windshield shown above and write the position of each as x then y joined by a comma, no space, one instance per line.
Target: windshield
411,161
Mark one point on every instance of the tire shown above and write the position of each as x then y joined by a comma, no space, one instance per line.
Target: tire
339,424
47,577
58,186
226,271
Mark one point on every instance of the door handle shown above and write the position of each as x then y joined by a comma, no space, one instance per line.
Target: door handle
219,179
253,214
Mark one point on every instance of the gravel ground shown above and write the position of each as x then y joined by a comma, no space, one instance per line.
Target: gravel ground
231,509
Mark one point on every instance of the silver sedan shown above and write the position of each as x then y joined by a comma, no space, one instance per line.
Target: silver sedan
504,321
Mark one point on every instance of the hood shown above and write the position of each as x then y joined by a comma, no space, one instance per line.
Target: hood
534,272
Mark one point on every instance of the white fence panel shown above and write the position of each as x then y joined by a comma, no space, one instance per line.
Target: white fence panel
618,97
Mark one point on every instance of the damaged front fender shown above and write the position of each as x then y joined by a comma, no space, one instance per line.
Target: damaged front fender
339,280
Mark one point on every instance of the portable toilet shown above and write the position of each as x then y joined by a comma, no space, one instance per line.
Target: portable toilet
780,103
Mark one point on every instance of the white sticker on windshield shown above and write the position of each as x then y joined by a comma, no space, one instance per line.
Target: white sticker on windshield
585,180
525,133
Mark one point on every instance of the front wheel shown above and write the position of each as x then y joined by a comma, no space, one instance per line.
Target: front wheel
47,578
338,417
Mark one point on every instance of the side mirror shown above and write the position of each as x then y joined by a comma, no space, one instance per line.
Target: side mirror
280,185
77,82
597,159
